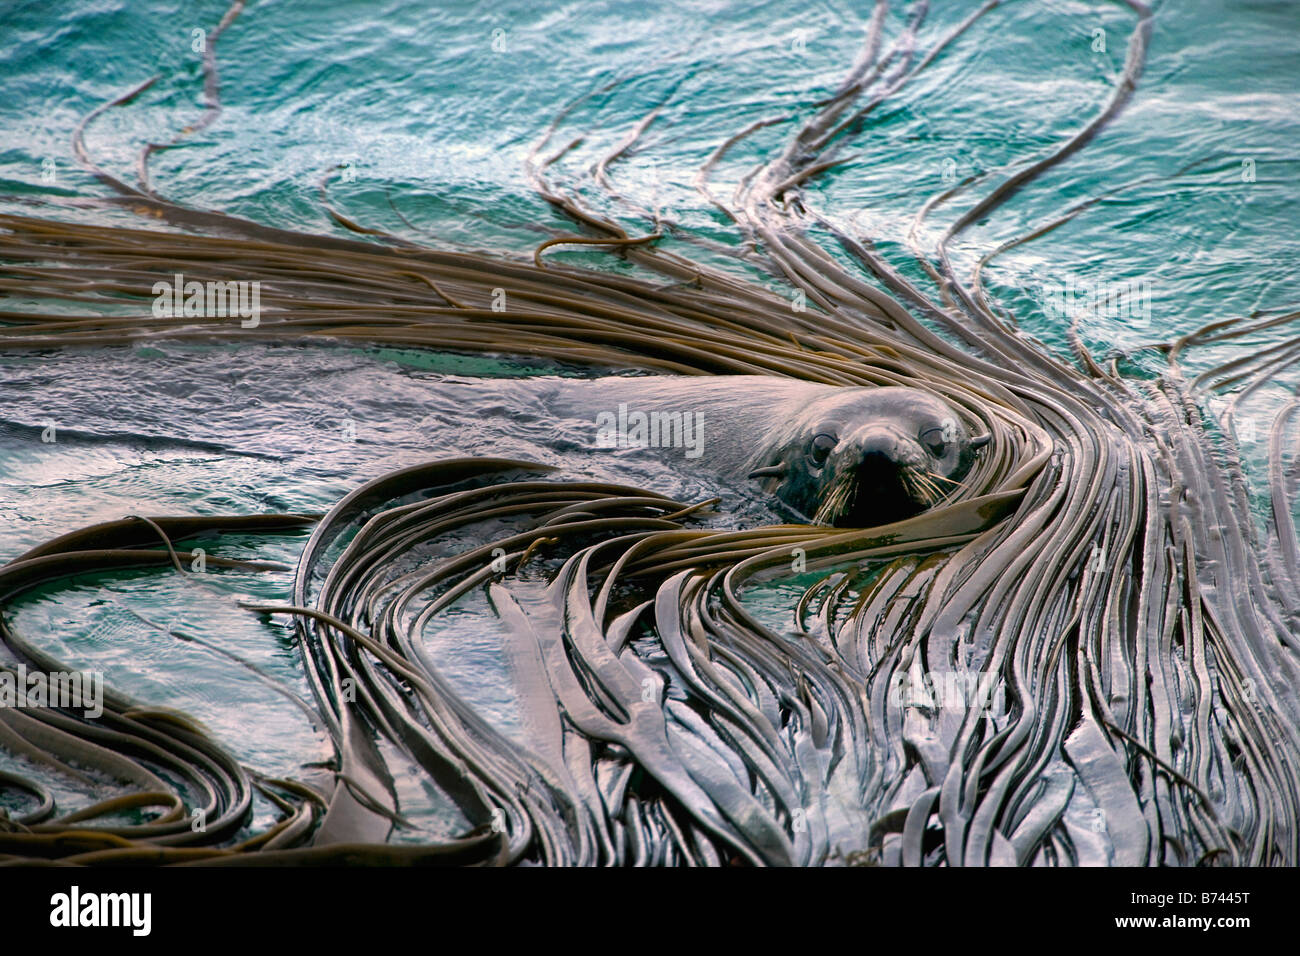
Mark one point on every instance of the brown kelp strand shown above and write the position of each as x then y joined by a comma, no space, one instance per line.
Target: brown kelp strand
605,675
129,747
1085,655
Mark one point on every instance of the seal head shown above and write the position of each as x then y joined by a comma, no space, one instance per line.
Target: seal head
861,457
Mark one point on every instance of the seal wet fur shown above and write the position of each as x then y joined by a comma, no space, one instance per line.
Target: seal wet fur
844,456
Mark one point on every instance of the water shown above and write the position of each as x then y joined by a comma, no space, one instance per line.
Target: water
432,113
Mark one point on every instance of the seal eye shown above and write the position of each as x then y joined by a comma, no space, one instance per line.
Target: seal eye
934,440
821,448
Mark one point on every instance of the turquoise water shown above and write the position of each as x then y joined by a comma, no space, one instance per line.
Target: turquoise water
434,112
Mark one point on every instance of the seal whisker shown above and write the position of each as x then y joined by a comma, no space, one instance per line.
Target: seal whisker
836,503
936,493
921,487
832,507
850,485
915,490
952,481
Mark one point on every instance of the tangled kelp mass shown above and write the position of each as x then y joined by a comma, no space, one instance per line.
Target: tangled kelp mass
1097,579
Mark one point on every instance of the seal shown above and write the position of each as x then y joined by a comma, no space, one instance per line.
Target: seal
859,457
836,455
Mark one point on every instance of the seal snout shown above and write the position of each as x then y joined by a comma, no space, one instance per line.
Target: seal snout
869,457
879,448
875,464
878,445
881,469
878,463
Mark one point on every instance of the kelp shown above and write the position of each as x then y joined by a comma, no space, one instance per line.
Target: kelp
1098,573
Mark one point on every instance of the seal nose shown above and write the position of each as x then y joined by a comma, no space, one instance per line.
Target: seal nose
877,446
881,492
878,465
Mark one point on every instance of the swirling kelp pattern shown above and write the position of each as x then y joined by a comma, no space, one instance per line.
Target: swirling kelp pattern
1098,571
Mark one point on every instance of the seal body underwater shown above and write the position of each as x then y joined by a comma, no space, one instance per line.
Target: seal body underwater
837,455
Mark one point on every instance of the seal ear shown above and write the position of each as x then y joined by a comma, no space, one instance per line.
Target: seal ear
979,441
